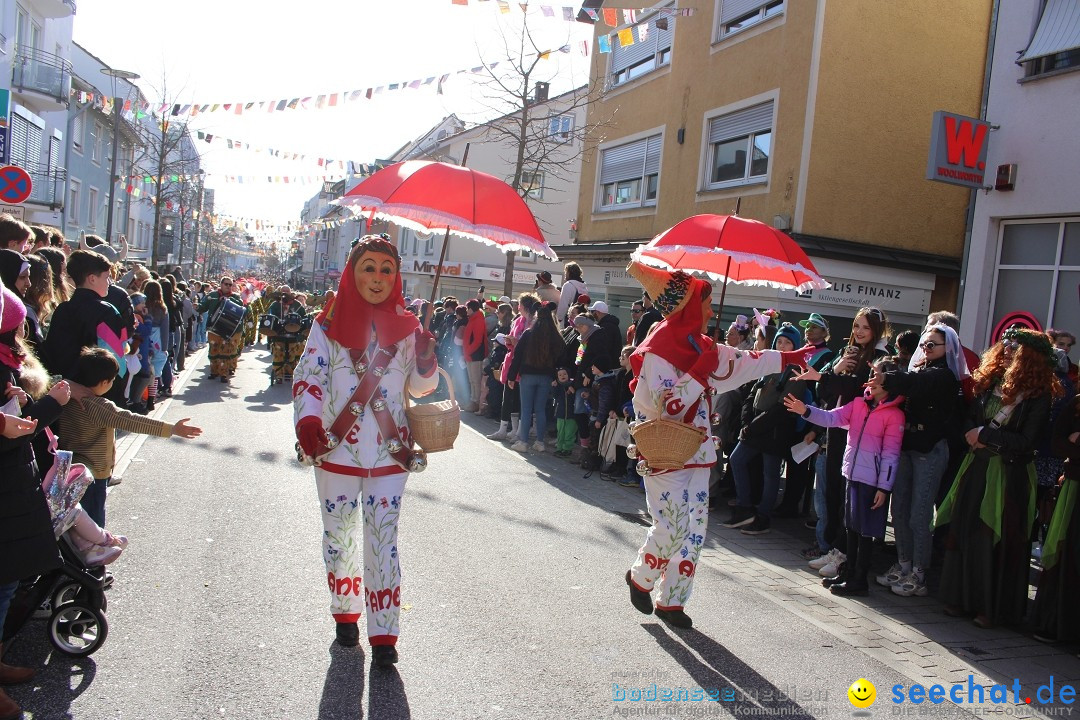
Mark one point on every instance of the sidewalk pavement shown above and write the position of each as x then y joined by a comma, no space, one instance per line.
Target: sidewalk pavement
910,635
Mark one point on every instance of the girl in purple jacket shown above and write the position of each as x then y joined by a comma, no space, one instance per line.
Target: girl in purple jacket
875,424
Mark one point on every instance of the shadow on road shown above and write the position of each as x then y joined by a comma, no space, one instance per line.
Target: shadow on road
386,696
343,689
57,684
718,667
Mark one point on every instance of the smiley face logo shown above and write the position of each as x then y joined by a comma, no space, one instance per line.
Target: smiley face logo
862,693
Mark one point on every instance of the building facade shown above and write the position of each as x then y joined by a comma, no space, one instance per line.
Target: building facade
35,69
811,116
1025,241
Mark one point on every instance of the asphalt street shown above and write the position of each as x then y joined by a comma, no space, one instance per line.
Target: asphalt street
514,604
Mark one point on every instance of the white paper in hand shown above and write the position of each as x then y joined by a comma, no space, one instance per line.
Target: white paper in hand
800,451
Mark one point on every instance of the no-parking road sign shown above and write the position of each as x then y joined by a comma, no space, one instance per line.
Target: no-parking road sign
15,184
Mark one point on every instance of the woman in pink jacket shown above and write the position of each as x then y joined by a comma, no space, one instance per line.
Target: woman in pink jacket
875,423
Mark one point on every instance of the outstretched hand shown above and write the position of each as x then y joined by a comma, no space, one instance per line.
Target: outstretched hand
181,428
794,404
809,374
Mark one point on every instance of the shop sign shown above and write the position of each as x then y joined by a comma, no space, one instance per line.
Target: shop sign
958,150
450,269
621,278
491,274
863,293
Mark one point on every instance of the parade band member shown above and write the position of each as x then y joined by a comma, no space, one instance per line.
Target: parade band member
286,347
348,399
677,370
224,352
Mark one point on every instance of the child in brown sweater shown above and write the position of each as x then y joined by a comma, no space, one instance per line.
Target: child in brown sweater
88,430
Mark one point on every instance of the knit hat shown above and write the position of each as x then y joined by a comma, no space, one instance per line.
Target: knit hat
585,320
816,320
791,333
669,290
14,312
137,299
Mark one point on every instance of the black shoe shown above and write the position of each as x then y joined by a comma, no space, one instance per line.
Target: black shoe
675,618
224,379
739,516
107,581
760,526
841,576
851,588
211,376
383,655
348,634
639,598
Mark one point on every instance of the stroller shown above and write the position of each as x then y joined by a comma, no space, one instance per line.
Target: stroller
73,594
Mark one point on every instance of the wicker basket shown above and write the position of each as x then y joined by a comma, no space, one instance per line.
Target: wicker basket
667,444
434,426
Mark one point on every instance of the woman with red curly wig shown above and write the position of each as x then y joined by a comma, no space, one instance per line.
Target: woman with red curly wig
991,507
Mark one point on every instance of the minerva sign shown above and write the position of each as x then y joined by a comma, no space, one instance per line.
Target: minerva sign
958,150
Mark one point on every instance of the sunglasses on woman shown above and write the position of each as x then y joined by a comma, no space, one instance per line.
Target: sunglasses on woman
929,345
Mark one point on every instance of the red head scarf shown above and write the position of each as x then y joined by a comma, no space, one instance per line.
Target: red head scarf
348,319
672,336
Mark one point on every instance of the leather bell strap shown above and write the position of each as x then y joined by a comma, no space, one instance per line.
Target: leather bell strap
369,373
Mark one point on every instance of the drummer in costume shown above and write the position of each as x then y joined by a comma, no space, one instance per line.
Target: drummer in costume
288,344
255,299
348,398
223,351
678,369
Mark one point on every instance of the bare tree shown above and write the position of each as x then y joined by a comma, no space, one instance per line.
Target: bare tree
516,94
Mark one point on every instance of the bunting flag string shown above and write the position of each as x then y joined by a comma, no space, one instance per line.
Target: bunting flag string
231,144
311,102
625,37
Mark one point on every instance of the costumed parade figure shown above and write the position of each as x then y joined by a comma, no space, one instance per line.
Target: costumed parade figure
255,299
678,369
287,342
348,398
224,351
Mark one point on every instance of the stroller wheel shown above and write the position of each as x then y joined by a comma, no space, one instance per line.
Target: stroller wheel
66,593
77,630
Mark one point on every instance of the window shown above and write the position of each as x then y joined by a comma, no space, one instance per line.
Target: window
525,254
25,141
736,15
73,201
1055,45
131,238
78,131
429,243
561,128
1038,270
646,54
630,174
740,144
91,207
533,184
96,131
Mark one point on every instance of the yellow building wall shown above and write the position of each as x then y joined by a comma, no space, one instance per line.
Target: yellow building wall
885,68
696,82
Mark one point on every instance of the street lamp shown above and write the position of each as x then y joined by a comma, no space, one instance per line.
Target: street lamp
117,109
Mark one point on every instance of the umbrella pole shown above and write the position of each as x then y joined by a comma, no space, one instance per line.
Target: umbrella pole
723,294
442,258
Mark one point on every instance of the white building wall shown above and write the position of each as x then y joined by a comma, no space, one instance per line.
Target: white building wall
1038,132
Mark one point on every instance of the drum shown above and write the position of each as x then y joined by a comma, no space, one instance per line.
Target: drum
293,323
269,325
226,319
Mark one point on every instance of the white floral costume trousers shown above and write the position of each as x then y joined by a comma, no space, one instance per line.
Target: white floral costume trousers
360,525
679,504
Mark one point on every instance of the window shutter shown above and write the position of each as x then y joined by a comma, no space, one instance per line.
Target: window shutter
78,130
623,162
624,57
54,153
735,9
19,126
652,154
743,122
665,36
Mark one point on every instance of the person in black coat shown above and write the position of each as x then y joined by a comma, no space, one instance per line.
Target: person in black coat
27,544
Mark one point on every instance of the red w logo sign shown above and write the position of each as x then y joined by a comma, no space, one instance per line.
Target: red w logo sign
958,146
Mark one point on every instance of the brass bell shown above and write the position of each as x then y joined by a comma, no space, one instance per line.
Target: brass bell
715,418
716,442
643,468
379,405
331,441
631,451
710,390
379,371
361,367
355,408
394,446
417,462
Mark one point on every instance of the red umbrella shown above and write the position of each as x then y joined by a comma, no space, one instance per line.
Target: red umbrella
728,248
427,195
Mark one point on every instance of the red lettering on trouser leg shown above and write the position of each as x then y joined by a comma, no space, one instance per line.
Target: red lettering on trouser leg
344,586
388,596
397,596
330,581
686,568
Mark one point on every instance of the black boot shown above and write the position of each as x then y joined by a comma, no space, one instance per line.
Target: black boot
639,598
675,618
384,655
856,584
841,575
348,634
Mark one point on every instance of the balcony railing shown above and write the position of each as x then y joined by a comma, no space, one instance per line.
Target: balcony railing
47,184
42,72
